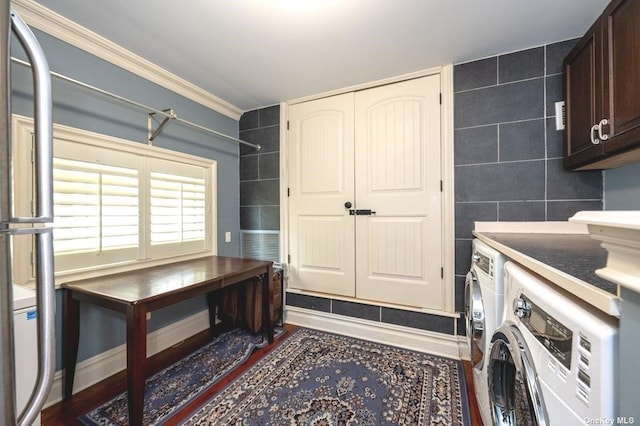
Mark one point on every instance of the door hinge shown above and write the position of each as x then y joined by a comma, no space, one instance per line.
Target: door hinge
287,124
288,192
442,272
440,98
441,186
288,258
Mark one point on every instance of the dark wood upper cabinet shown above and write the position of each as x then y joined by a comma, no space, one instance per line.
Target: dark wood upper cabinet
602,92
583,98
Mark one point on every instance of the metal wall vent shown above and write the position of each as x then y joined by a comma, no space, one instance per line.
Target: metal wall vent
263,245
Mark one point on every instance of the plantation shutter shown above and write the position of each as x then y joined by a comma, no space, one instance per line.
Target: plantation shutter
95,207
96,211
178,208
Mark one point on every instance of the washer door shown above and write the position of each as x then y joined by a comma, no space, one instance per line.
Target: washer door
475,317
514,392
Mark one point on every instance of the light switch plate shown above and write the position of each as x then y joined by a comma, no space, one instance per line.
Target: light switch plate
227,237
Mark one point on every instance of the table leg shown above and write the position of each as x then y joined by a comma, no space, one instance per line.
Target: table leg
136,360
71,336
267,302
213,301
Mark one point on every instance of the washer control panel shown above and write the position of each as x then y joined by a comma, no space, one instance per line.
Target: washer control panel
551,333
485,263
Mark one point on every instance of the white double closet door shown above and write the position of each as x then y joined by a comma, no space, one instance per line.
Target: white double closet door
379,150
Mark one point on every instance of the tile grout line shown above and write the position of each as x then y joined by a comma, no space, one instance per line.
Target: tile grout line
546,168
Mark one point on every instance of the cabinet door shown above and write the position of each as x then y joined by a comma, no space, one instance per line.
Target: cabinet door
397,168
583,93
621,66
321,231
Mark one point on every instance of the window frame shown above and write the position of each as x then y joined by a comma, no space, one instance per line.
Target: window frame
22,128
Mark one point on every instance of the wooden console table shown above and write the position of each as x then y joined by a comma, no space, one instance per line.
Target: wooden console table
137,292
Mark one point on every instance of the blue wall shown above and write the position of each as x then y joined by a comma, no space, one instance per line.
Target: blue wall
622,188
622,192
102,329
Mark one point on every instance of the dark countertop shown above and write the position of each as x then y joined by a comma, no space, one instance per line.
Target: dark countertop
577,255
568,260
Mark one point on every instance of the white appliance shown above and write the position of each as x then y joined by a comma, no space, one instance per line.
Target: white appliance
552,361
484,300
36,227
25,337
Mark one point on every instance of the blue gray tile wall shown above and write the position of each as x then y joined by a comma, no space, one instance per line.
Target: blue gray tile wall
260,170
507,153
382,314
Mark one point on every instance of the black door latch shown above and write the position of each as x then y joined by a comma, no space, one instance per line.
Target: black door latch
367,212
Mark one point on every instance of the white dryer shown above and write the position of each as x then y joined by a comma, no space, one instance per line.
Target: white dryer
552,361
484,300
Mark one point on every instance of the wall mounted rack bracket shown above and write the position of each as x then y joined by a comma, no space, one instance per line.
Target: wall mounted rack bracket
152,134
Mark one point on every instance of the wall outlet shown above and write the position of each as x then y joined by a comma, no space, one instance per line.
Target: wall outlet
227,237
148,315
560,115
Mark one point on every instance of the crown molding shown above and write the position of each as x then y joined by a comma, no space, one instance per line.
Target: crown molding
70,32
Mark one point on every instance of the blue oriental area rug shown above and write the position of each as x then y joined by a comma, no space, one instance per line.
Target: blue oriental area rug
317,378
175,386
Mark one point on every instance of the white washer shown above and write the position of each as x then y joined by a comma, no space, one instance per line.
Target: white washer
552,361
484,300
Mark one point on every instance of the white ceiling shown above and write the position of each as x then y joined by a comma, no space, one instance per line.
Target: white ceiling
255,53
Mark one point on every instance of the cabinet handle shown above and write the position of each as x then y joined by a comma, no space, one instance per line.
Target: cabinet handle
595,141
602,136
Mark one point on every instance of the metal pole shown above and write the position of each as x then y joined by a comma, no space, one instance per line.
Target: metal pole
7,372
45,288
143,107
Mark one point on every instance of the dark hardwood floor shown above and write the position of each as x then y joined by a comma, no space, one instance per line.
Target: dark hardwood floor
65,413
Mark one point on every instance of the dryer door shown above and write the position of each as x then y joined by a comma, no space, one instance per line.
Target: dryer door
475,317
514,390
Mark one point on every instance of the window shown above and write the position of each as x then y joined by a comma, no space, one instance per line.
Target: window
119,203
96,207
178,208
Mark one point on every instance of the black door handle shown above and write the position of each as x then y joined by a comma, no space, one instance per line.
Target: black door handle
347,205
367,212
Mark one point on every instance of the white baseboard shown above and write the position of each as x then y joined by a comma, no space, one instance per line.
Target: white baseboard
108,363
405,337
465,352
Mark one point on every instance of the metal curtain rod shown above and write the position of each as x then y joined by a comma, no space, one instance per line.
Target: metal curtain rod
168,114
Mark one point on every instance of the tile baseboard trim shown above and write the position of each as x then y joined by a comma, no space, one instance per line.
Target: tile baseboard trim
409,338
